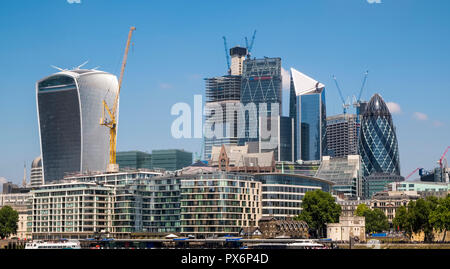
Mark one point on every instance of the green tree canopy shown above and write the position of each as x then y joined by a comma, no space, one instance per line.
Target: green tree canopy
8,221
440,216
361,209
376,220
424,215
319,208
420,215
400,221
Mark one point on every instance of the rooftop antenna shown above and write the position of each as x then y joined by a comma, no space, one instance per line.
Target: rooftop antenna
58,68
81,65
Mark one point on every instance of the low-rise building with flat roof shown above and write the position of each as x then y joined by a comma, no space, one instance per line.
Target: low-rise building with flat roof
390,201
238,159
348,227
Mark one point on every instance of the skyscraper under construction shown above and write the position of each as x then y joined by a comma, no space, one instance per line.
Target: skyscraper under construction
222,93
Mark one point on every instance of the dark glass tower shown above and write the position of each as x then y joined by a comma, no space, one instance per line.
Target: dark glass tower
69,109
261,83
378,145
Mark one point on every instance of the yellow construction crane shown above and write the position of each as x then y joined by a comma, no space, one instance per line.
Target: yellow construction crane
112,122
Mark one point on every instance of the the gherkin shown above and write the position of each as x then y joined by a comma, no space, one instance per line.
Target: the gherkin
378,145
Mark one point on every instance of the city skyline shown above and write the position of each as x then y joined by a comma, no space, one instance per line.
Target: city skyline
170,58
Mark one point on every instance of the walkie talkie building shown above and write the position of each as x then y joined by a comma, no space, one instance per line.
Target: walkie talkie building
69,105
378,145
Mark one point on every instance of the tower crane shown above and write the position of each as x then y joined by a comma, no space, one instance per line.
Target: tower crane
345,105
249,47
227,54
412,173
441,165
357,102
112,122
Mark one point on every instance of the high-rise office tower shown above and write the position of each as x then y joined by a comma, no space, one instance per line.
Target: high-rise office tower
69,107
237,60
378,141
261,86
36,177
280,141
310,117
342,135
222,106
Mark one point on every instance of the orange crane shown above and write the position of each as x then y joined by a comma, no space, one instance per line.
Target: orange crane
412,173
441,165
443,156
112,122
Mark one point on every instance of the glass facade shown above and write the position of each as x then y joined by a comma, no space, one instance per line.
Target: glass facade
378,182
308,109
219,204
286,140
171,159
378,145
69,108
344,172
282,194
134,159
311,126
147,205
261,83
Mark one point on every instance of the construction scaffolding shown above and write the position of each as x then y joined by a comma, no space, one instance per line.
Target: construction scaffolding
223,88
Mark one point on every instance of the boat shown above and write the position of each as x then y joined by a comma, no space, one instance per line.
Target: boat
304,244
68,244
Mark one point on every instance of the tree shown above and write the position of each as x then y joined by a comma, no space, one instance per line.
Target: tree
376,220
420,216
361,209
440,216
319,208
8,221
400,221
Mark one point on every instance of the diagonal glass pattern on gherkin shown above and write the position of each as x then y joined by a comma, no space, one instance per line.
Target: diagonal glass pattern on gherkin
378,145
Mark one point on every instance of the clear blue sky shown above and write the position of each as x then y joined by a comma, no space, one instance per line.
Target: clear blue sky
404,43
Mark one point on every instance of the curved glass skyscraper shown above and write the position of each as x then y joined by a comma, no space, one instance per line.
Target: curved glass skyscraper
378,145
69,110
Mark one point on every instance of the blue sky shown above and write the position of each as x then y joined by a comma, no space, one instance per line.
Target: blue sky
403,43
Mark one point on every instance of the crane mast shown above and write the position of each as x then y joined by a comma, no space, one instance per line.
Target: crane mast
112,122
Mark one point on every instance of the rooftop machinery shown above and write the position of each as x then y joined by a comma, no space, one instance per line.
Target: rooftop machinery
112,122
